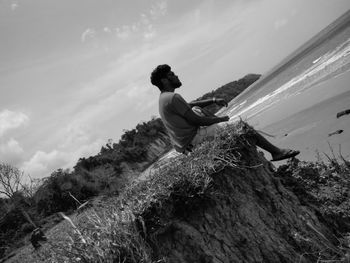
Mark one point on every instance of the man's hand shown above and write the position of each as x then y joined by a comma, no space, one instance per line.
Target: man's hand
225,118
220,102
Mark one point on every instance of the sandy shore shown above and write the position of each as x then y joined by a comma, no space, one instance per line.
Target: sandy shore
311,117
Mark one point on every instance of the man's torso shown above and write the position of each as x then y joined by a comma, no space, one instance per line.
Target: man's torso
172,109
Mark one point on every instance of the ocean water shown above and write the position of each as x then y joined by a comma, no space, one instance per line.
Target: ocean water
321,63
297,102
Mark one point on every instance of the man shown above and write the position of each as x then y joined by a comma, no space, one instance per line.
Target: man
188,125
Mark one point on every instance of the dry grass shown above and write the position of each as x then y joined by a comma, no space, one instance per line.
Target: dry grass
325,186
115,232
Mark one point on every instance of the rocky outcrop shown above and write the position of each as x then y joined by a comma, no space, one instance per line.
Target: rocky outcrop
247,215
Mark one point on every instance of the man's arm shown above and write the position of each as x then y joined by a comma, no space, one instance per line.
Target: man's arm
197,120
204,103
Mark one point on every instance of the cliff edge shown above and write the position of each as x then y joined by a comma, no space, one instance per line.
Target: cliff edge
223,203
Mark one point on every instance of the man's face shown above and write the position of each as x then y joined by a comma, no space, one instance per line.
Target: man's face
173,79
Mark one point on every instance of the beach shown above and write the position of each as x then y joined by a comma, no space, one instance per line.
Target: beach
298,101
309,129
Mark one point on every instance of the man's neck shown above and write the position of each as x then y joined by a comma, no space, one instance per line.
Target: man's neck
168,89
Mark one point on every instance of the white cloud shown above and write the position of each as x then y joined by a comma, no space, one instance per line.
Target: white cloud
159,9
11,120
280,23
11,152
149,32
11,146
144,20
73,135
72,142
107,30
42,163
123,32
134,27
144,25
14,6
142,28
88,34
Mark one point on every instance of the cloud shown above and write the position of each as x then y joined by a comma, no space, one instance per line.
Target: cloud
280,23
149,32
144,25
11,120
88,34
124,32
42,163
107,30
72,142
14,6
73,135
11,146
158,9
11,152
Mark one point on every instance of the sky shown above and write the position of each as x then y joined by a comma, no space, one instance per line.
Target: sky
74,74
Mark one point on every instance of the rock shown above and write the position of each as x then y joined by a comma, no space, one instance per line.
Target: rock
344,112
248,216
336,132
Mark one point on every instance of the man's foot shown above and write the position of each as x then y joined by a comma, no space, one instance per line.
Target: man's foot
284,154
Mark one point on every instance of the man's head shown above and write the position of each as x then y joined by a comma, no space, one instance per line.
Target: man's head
164,78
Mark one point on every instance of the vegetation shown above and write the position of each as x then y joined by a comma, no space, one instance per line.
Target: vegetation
121,229
65,190
324,186
10,179
113,232
132,147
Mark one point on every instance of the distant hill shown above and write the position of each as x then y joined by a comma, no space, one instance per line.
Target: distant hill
229,90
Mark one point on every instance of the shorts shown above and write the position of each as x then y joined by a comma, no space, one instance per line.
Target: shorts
205,133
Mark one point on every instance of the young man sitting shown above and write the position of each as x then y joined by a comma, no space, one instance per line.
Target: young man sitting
188,125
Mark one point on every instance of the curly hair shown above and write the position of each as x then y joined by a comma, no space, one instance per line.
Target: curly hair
158,73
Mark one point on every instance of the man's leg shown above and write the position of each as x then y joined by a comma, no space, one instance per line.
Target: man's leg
210,131
276,153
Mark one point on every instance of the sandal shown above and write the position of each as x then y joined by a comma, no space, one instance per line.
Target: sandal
285,155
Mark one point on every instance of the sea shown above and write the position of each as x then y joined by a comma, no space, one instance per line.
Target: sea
295,104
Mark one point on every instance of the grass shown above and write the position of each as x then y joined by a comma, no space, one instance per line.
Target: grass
121,228
325,186
117,231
